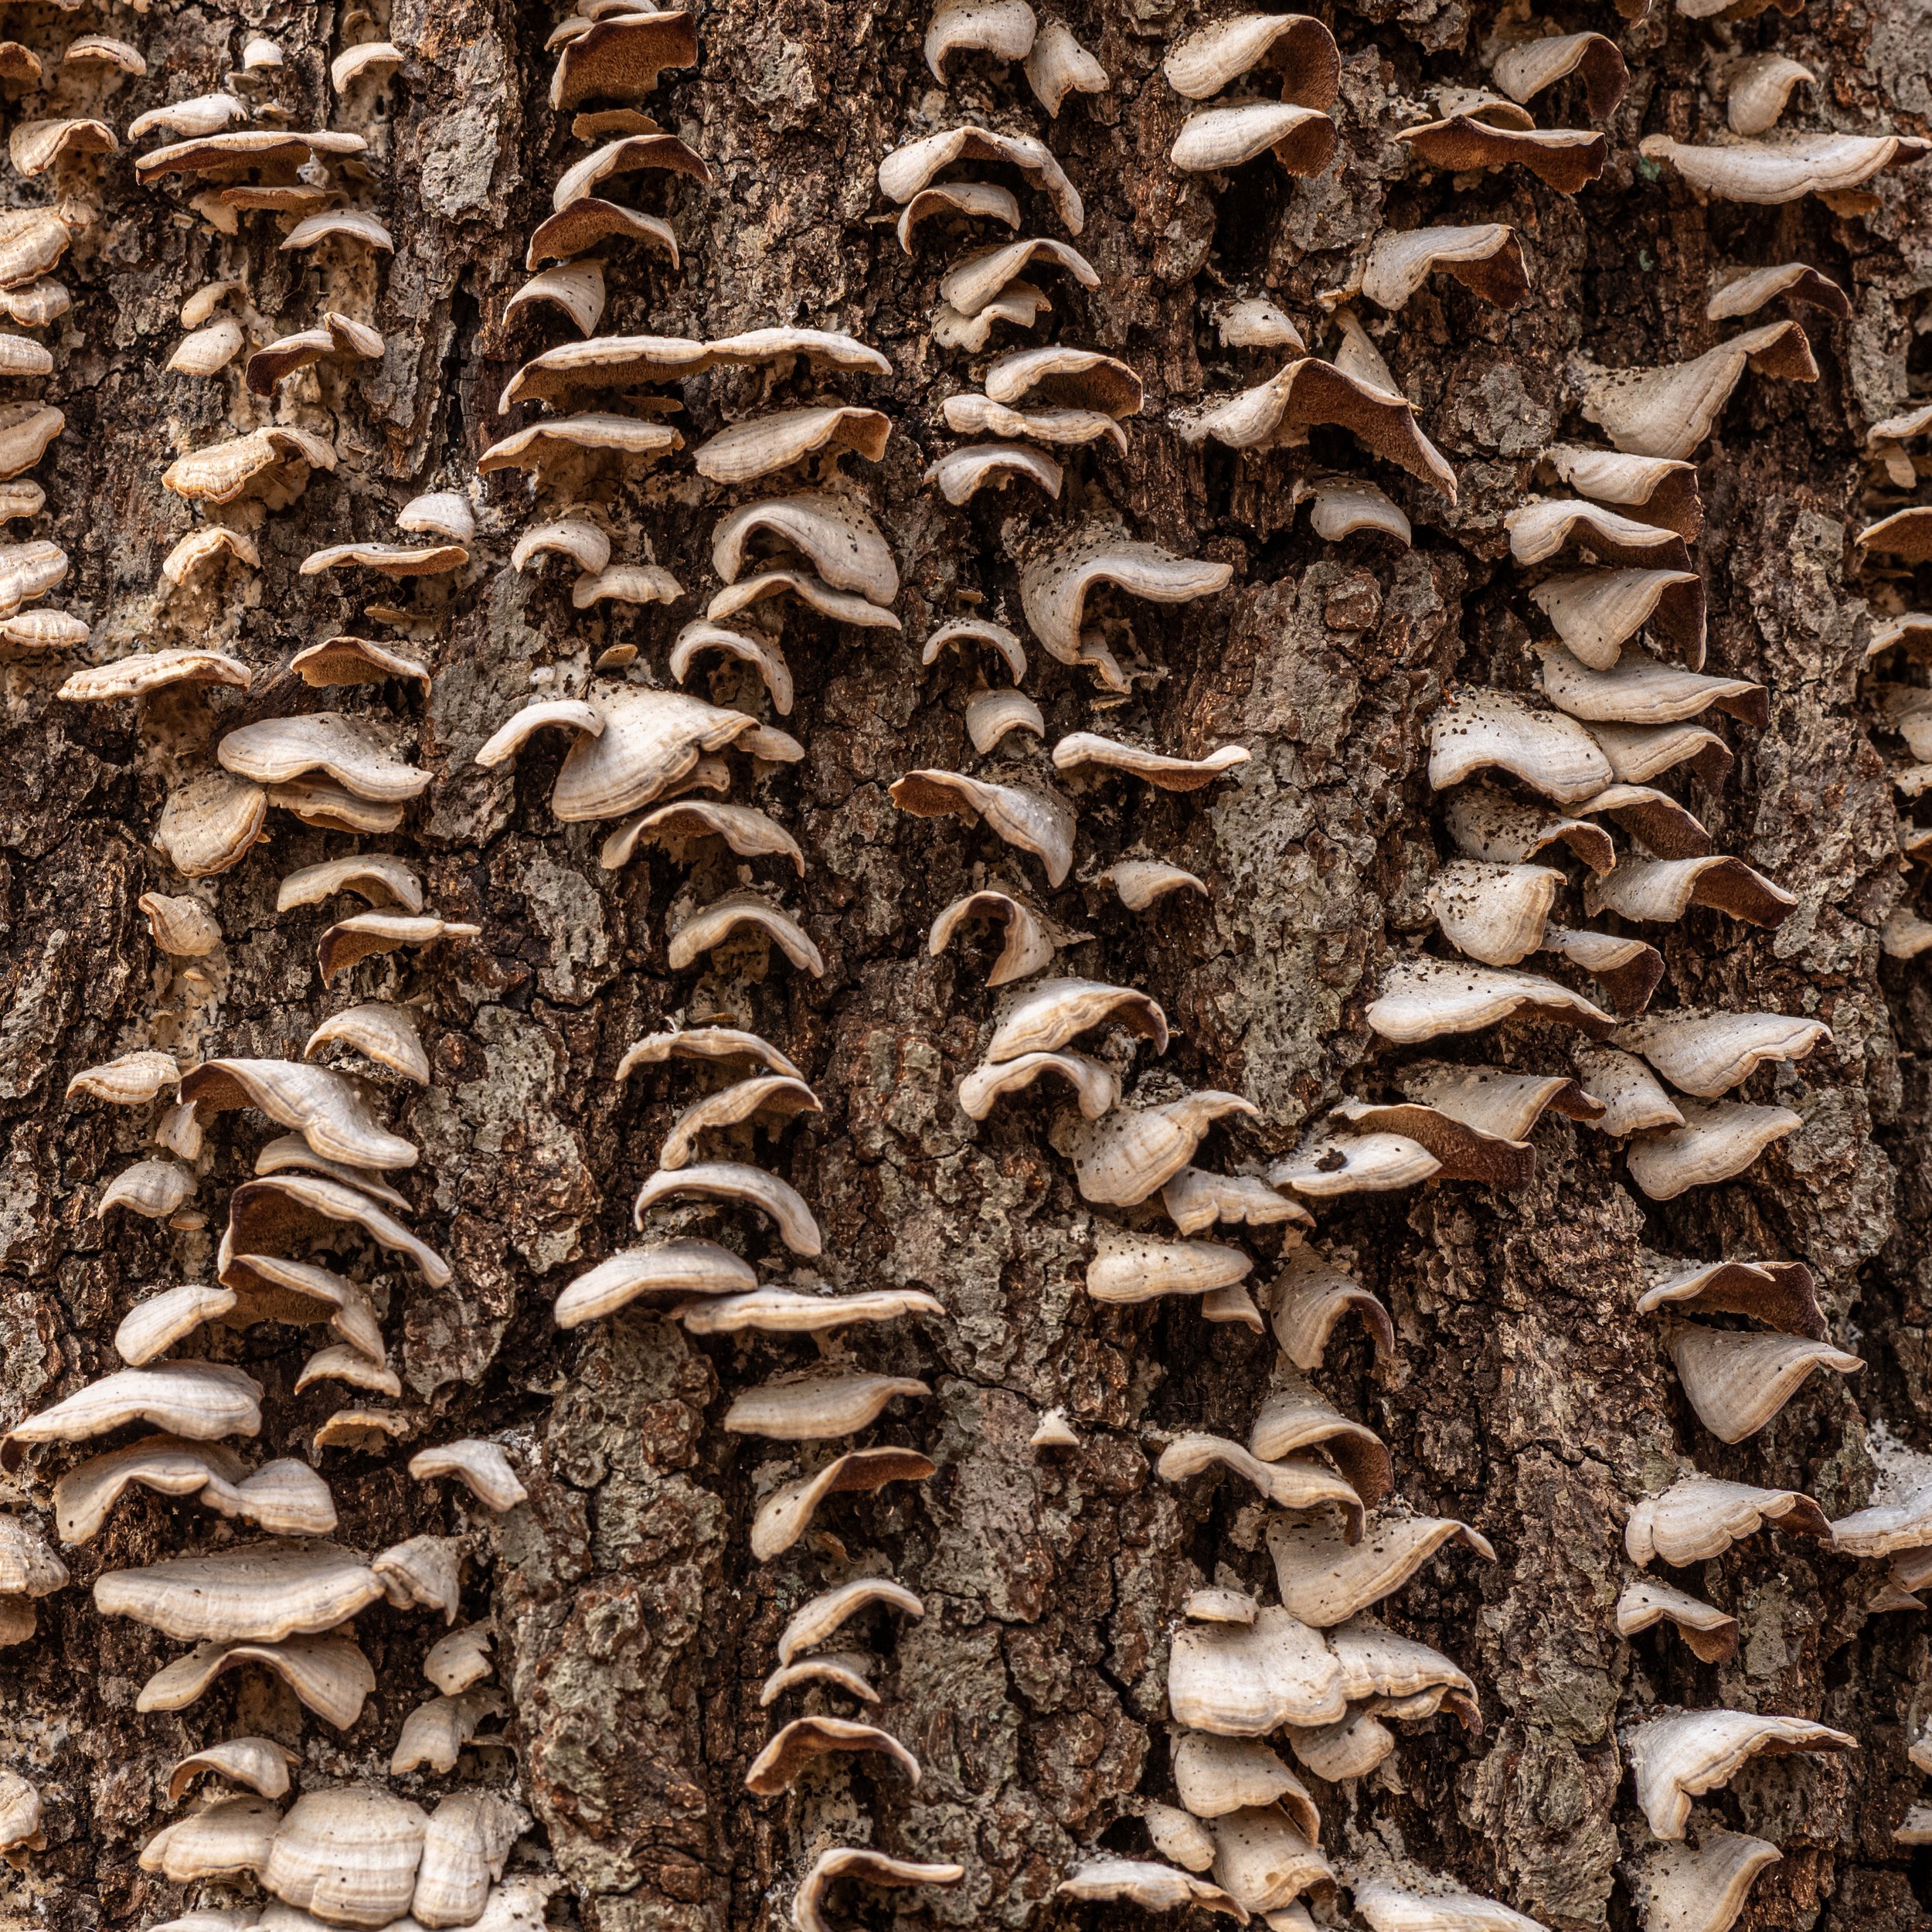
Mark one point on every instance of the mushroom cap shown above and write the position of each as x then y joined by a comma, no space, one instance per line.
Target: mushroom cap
1246,1680
1701,1889
1669,411
201,1400
1129,1153
1566,159
1738,1381
1296,46
735,1181
347,1856
1421,999
834,532
785,1514
777,1767
681,1267
1711,1634
259,1593
482,1467
1213,139
1153,1886
907,169
622,56
1324,1580
810,1407
256,1762
1676,1758
1486,258
813,1622
329,1675
1700,1517
857,1861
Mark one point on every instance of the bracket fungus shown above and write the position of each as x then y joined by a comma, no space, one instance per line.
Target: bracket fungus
907,169
201,1400
1542,528
1711,1634
734,1180
681,1268
1057,581
1700,1517
1079,750
1487,258
859,1863
1661,891
1782,1295
1549,751
1479,131
812,1407
1324,1580
1194,1199
1707,1053
28,1569
281,1207
1718,1141
1214,139
1246,1680
1669,411
1785,167
1309,393
256,1762
481,1466
1426,1904
786,1514
1596,612
1420,998
1310,1297
1153,1886
259,1593
1097,1087
1525,68
325,1108
1639,691
1799,283
1675,1758
1131,1151
1035,821
1289,1484
1139,883
1737,1381
1682,1888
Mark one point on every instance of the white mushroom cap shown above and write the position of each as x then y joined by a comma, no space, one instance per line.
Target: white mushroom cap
1421,999
1710,1633
1707,1053
456,1662
1800,284
1034,820
1309,393
785,1514
1326,1580
260,1592
735,1181
1737,1381
1297,47
1426,1904
1152,1887
1123,1156
1677,1758
1681,1889
434,1734
327,1108
1302,139
777,1767
1239,1680
482,1467
812,1407
1055,582
1264,1862
859,1863
1486,259
1097,1087
1784,167
329,1675
907,169
682,1268
233,1836
201,1400
256,1762
1670,410
1004,28
1526,67
347,1856
1700,1517
1310,1296
1547,750
1718,1141
1290,1483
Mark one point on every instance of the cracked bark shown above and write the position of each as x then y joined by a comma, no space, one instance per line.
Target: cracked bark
1528,1397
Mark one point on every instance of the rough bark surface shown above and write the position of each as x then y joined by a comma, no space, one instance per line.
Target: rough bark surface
1528,1397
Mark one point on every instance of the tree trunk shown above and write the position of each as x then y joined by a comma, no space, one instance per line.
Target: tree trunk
1525,1394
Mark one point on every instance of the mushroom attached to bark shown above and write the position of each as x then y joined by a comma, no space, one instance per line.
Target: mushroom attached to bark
1669,411
785,1514
1680,1889
1738,1380
481,1466
1035,821
1324,1580
734,1180
1710,1633
1484,131
1663,890
678,1269
1783,167
1289,1484
1127,1154
856,1862
811,1408
1487,258
1421,999
329,1676
1526,67
1056,582
1548,750
1782,1295
1708,1052
1595,612
1700,1517
1152,1887
1236,1680
1677,1758
907,169
1718,1141
1310,1297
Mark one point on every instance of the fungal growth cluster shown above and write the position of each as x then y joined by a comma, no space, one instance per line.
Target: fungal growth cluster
890,1212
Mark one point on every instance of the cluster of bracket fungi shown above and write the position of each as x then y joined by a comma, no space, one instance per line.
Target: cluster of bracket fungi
1550,795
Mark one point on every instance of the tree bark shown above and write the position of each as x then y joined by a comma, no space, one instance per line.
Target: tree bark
1525,1395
